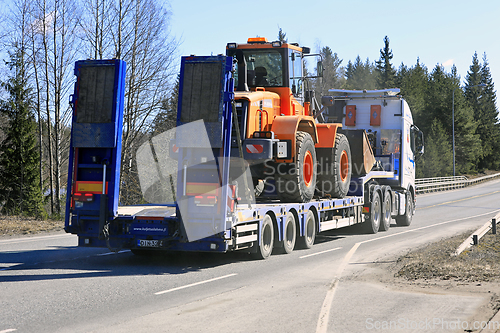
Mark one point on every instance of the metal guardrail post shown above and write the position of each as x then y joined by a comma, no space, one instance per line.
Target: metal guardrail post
494,226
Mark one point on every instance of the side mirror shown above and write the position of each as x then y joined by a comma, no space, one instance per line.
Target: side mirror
420,143
319,68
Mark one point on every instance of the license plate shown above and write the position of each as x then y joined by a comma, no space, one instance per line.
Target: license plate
148,243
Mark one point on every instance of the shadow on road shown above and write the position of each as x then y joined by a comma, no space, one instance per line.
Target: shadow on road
75,263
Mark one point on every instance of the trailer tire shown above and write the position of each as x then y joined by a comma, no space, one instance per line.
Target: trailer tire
307,241
335,177
372,224
296,182
290,233
385,222
405,220
266,239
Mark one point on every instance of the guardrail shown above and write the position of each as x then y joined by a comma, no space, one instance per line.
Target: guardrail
424,185
476,236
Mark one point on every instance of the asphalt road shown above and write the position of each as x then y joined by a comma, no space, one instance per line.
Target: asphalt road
47,284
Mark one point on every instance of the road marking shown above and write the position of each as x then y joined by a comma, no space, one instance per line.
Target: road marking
194,284
8,330
110,253
315,254
449,202
32,239
324,313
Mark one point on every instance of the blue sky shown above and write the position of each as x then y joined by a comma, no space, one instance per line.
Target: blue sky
438,32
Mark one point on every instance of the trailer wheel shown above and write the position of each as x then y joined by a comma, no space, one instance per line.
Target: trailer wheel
405,220
336,174
386,210
265,248
307,241
375,214
296,182
290,233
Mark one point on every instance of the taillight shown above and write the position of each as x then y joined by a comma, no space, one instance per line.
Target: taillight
83,197
209,200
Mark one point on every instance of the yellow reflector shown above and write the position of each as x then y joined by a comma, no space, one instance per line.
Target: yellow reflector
89,187
201,188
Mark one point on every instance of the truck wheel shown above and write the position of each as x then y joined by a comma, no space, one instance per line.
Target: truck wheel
405,220
375,214
336,175
307,241
266,238
296,182
290,233
386,210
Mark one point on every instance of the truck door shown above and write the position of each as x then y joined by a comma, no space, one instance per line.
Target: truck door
408,156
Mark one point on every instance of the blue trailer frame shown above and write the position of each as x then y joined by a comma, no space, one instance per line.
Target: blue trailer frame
221,221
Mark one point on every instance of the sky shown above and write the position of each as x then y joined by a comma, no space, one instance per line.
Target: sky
436,32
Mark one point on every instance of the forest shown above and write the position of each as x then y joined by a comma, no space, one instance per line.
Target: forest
43,38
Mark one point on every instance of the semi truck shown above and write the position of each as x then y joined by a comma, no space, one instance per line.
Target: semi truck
258,165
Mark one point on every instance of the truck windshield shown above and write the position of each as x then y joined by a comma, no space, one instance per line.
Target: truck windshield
264,68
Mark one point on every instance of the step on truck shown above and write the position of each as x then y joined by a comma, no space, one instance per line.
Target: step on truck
254,163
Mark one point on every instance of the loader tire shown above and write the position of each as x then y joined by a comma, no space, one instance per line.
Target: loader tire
335,176
296,182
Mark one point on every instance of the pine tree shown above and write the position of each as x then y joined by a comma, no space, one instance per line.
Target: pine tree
19,178
332,72
482,101
360,75
491,116
386,77
438,158
413,83
282,36
439,104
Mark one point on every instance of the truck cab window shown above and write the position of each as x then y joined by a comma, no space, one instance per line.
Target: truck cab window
264,68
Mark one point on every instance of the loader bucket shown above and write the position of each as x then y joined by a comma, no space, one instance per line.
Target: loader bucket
361,152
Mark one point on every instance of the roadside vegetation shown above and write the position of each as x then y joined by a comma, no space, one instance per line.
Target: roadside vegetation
22,225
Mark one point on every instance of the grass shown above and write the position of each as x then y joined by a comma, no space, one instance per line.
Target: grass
20,225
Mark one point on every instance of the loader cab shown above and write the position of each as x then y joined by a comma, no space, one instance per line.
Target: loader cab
273,66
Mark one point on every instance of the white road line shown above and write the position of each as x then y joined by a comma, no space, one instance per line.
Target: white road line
324,314
315,254
32,239
8,330
194,284
110,253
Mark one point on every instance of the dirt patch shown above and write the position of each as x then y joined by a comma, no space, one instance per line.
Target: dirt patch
433,269
19,225
479,263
